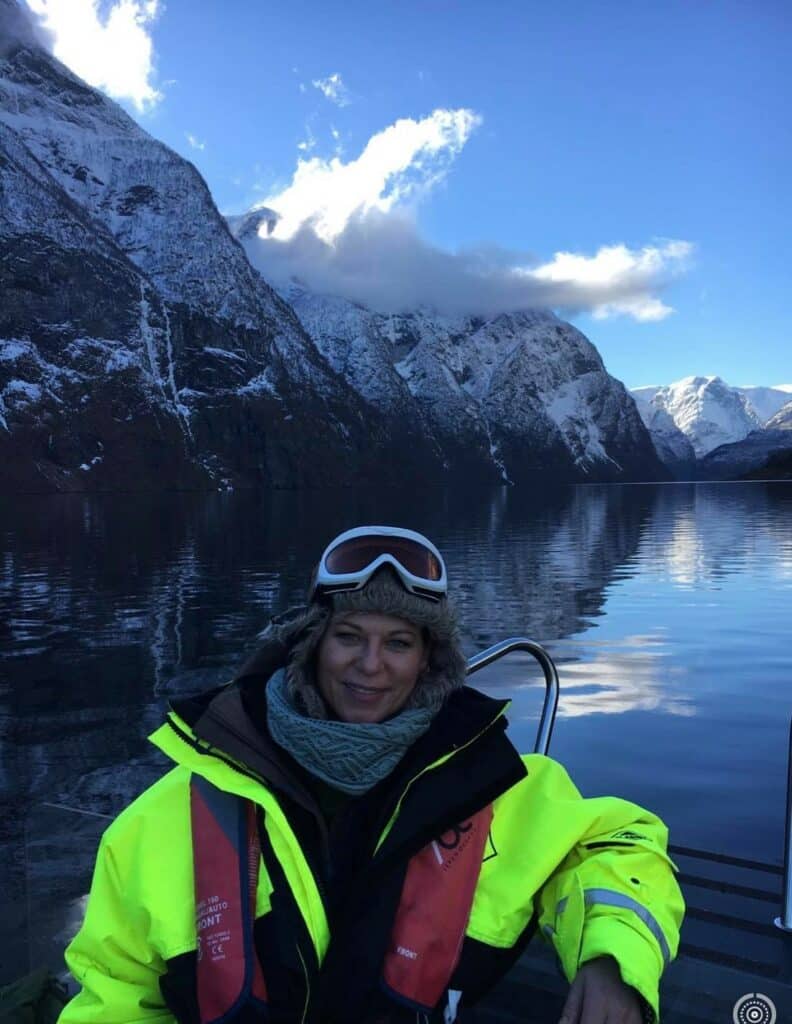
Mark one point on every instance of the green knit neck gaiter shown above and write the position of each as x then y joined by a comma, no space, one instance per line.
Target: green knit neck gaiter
349,756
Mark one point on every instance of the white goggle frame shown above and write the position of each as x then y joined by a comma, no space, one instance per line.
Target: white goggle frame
331,582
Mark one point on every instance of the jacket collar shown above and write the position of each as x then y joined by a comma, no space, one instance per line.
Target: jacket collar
462,762
222,718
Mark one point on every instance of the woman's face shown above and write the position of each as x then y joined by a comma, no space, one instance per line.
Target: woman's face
368,664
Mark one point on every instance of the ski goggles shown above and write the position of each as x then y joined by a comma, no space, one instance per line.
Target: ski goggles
349,562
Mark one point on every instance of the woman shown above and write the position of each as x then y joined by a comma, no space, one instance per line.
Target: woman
349,836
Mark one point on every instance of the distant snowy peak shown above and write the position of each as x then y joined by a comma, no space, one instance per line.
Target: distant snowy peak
765,401
765,454
706,410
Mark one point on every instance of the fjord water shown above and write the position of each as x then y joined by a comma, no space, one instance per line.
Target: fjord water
667,609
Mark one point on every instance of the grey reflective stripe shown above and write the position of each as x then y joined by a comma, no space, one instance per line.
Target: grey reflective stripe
549,930
612,898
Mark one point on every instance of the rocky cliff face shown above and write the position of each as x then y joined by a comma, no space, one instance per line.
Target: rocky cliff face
81,346
673,447
139,348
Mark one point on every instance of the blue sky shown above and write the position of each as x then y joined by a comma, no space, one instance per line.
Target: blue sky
649,142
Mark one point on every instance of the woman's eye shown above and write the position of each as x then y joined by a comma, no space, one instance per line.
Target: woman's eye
346,637
401,645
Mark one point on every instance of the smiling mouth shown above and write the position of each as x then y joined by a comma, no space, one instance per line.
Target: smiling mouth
369,692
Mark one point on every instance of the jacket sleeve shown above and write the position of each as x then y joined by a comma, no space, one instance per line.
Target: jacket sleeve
615,893
111,958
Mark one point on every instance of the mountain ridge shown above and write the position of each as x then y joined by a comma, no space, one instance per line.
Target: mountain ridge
525,387
140,347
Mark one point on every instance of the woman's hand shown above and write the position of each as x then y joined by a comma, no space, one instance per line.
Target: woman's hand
598,994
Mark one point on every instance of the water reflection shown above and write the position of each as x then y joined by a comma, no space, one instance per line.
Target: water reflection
701,534
631,677
596,679
660,604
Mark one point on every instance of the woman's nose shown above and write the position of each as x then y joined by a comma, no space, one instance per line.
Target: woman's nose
371,657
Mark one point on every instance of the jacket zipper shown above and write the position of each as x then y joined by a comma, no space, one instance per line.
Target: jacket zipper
307,985
430,767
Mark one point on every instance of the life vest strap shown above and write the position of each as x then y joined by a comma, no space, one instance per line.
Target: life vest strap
226,858
434,910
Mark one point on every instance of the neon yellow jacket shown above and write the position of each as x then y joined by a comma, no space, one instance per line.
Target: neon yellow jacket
592,874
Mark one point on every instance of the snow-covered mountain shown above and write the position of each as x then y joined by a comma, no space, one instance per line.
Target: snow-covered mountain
525,391
673,447
140,348
705,410
702,427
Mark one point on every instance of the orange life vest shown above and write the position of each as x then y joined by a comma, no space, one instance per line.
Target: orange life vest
428,927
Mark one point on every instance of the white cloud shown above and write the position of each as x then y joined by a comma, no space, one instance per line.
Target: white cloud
308,144
624,277
395,164
333,89
113,51
629,676
644,309
348,229
194,143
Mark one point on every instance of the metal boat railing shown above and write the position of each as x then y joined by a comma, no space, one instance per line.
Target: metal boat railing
519,643
784,922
